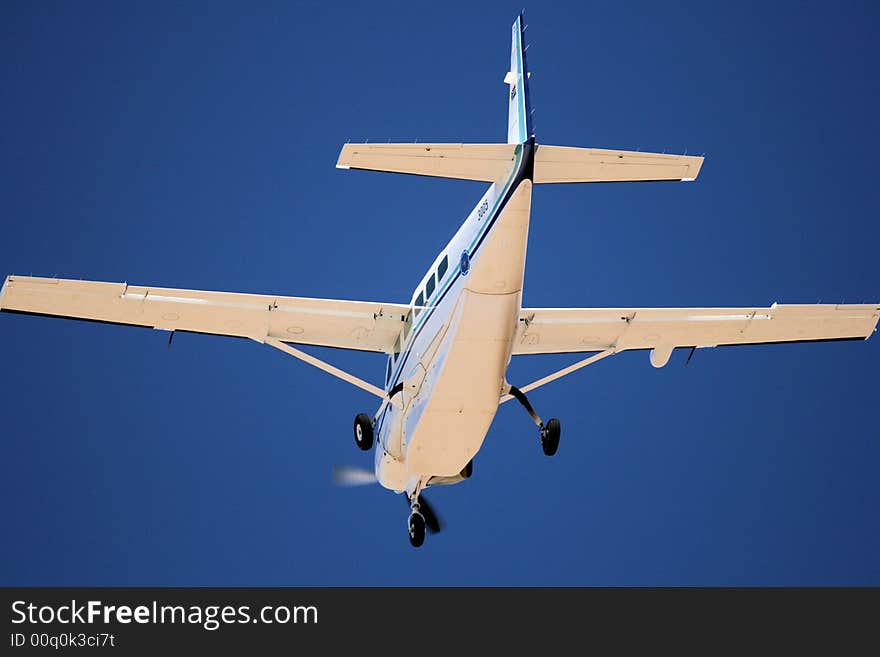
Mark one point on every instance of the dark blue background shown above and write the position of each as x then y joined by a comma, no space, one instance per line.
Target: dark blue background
193,146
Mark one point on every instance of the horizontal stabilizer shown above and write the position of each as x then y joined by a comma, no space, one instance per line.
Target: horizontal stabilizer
480,162
564,164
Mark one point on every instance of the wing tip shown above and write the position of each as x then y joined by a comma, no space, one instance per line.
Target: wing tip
696,167
344,159
9,279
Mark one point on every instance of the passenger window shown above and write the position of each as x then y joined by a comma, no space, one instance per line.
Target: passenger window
429,287
420,301
442,267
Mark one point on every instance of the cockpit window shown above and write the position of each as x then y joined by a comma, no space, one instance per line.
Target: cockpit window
420,302
429,287
442,267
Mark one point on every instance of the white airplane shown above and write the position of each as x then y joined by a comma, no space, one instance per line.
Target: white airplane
450,346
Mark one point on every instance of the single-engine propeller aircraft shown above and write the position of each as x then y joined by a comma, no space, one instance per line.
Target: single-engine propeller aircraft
449,347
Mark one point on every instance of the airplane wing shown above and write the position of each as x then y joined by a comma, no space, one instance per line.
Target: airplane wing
361,325
572,330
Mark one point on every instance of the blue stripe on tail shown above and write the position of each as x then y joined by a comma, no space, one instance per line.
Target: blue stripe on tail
519,113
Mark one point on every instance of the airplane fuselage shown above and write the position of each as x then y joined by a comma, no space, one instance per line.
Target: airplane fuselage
457,341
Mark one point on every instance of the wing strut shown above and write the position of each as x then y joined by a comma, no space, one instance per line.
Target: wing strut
326,367
563,372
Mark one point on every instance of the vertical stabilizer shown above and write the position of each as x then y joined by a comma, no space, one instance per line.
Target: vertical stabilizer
519,113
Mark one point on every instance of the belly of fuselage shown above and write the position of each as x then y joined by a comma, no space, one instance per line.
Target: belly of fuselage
461,397
447,420
440,424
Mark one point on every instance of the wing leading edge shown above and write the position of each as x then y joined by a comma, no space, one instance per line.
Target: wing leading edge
360,325
575,330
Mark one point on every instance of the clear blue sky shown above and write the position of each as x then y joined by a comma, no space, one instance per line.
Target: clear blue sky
193,146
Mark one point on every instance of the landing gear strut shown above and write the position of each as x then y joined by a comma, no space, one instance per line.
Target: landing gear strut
363,423
550,432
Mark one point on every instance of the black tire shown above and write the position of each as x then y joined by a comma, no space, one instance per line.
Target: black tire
550,436
363,431
416,529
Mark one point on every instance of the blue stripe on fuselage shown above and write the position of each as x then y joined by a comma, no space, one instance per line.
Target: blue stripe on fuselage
520,173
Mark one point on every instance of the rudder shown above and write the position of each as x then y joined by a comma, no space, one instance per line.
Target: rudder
519,111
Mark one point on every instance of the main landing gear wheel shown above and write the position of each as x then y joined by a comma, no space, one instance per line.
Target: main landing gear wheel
549,432
363,431
550,436
416,529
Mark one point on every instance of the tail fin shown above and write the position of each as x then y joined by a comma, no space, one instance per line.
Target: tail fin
519,112
492,162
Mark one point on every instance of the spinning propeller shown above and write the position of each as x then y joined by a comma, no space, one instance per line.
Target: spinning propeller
346,475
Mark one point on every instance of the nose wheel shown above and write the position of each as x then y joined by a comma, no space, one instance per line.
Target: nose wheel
363,431
417,527
550,432
422,518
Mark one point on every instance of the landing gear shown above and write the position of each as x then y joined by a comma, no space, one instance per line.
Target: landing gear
363,431
550,432
550,436
422,518
416,527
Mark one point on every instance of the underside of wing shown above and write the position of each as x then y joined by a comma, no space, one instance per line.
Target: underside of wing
570,330
361,325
